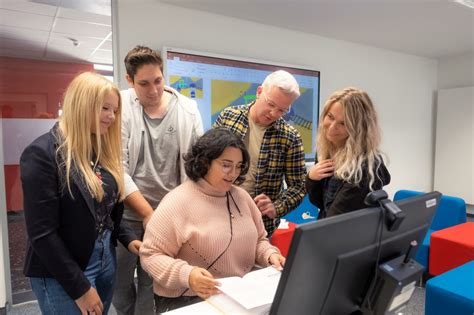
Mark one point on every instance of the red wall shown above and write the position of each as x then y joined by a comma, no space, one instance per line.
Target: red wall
31,89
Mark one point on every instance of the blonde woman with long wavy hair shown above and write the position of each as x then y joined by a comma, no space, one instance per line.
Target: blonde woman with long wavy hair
348,163
72,180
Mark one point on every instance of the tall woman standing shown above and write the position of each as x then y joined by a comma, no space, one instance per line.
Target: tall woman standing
72,182
348,163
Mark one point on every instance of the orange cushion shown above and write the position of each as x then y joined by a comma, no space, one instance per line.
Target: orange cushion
451,247
281,238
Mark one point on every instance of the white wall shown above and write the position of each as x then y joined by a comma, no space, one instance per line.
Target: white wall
402,86
456,86
454,163
456,71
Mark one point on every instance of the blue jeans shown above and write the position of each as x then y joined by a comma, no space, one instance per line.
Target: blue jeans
100,272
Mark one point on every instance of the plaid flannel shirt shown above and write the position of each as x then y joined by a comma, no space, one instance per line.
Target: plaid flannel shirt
281,159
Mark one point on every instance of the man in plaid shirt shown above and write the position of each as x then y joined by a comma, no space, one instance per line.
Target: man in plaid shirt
275,147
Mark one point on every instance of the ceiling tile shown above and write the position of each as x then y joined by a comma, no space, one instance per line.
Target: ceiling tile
23,34
93,6
59,39
104,54
106,61
25,20
61,51
20,53
21,44
106,45
84,16
81,28
48,2
28,7
26,29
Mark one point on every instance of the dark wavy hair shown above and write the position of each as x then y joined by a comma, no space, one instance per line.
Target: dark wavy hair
208,148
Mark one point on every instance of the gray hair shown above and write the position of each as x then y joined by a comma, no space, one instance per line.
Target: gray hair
284,80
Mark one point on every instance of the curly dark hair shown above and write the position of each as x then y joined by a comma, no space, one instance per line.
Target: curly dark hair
208,148
139,56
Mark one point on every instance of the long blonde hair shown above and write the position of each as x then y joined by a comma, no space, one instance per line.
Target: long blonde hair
83,102
361,149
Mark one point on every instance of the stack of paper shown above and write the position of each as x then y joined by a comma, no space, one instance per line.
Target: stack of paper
251,294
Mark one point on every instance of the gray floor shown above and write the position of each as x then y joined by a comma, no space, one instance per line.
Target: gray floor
31,308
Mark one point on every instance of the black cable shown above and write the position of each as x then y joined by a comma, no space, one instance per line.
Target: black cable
238,209
377,261
231,233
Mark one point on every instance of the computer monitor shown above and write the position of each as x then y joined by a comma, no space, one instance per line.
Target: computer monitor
331,262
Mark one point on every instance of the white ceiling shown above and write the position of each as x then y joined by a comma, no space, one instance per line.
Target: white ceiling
47,30
428,28
44,29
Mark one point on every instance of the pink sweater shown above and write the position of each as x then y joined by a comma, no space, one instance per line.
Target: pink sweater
191,228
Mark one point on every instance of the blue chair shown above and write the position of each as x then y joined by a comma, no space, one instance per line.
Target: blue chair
304,213
451,292
451,211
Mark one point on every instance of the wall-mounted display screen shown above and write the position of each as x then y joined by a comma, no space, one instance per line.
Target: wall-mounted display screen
218,81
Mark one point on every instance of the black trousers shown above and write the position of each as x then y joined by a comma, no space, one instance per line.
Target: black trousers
165,304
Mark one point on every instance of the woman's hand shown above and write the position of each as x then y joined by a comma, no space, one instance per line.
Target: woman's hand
277,261
134,246
90,303
322,169
202,282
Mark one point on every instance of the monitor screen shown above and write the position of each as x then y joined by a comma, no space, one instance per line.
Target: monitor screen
331,262
218,81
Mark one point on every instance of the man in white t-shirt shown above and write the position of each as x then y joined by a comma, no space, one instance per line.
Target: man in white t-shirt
159,125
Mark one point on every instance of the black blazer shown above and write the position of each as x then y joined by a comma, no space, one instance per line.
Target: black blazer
61,229
349,197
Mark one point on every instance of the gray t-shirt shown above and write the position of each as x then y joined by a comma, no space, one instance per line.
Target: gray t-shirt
157,170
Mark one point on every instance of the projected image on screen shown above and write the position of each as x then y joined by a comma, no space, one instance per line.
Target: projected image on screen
190,87
218,82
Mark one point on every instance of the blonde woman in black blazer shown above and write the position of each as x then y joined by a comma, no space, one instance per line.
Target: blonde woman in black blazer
72,182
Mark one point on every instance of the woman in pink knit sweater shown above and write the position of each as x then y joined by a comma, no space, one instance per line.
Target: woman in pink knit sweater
206,228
